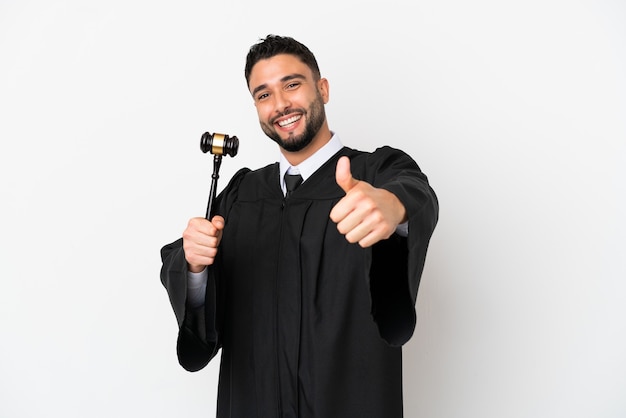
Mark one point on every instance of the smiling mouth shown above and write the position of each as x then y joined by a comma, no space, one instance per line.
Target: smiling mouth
287,123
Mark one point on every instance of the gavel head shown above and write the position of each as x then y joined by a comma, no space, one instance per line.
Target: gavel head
219,144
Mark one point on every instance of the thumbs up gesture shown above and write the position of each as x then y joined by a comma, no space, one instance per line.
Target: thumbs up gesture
366,214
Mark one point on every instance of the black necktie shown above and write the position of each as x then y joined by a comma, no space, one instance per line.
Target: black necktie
292,181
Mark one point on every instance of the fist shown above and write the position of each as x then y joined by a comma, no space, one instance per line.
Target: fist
200,241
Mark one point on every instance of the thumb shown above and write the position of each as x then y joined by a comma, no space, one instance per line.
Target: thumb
343,175
218,222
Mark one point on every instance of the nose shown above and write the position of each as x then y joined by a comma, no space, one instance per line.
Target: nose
281,102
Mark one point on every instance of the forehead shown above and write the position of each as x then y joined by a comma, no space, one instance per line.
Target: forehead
274,69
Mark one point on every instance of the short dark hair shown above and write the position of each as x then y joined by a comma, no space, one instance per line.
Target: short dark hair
274,45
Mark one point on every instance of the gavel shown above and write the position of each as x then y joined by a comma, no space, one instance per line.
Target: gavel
218,145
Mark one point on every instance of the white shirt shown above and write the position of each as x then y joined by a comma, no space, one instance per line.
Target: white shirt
309,166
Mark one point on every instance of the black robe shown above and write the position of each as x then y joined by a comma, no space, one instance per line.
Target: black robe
308,324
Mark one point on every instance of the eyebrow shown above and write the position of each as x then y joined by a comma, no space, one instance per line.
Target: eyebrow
282,80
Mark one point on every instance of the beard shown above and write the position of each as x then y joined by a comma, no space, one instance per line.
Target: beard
315,117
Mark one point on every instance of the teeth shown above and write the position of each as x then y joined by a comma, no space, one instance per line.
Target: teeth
289,121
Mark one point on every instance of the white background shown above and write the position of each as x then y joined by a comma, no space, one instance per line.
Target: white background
515,110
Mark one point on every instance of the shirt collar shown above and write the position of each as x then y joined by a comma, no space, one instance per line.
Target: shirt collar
311,164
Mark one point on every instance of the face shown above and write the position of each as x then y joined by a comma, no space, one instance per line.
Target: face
289,102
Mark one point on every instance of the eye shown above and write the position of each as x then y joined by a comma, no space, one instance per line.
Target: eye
262,96
292,86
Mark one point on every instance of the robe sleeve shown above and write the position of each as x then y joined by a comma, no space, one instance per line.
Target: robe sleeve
397,263
199,329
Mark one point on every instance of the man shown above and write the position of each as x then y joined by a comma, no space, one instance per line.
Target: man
309,293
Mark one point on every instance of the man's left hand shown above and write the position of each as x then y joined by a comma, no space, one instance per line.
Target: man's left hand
366,214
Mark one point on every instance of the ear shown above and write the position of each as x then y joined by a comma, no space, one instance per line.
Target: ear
324,89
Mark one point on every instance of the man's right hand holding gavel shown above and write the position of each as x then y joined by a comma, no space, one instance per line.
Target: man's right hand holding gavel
200,241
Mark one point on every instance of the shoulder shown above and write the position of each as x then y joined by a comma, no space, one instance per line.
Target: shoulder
246,174
384,161
381,154
251,184
264,175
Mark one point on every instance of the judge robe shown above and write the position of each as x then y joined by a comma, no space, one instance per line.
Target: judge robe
308,324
